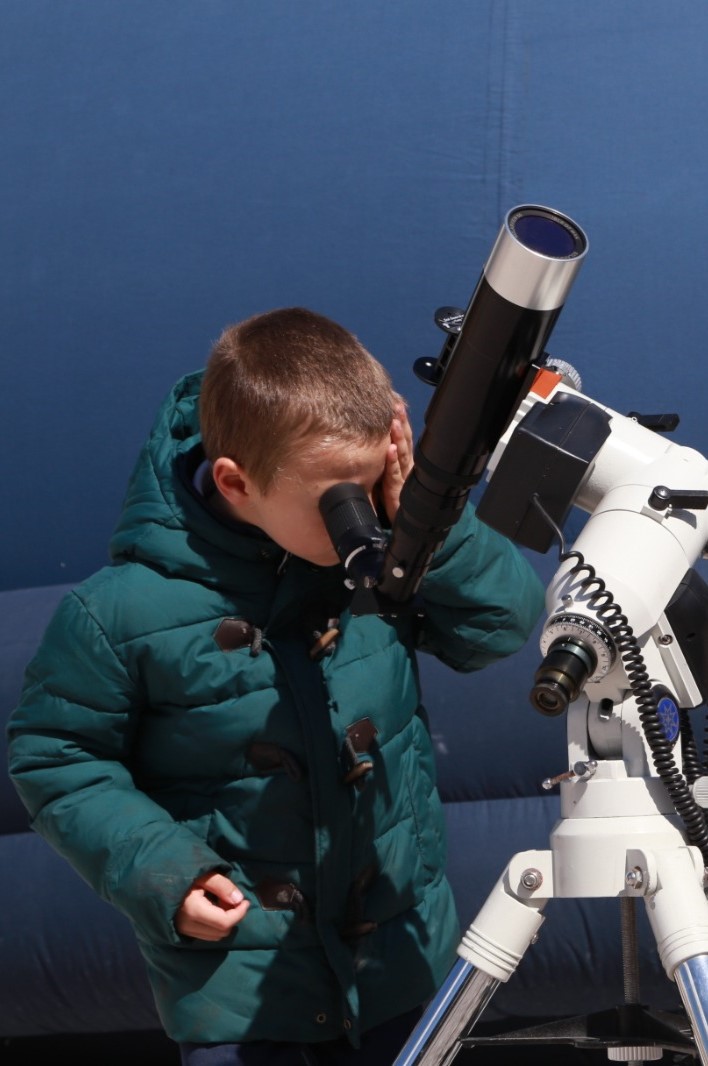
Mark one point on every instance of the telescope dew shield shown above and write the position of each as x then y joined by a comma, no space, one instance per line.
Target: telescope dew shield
485,375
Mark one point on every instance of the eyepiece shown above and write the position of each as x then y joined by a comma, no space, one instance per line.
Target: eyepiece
354,531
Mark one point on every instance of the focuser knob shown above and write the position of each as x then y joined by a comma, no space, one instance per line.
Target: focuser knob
569,375
449,320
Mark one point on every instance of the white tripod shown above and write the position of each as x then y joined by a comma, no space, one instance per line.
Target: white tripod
594,851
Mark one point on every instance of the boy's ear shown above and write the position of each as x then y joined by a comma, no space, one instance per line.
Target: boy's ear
232,481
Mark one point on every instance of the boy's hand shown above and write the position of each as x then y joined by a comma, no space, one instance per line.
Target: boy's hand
211,908
399,460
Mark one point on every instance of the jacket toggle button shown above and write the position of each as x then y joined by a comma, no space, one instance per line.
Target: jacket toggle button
355,756
234,633
324,643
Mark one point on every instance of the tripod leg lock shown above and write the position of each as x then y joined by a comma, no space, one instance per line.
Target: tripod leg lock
677,907
511,917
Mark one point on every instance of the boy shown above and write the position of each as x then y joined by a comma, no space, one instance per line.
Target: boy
230,756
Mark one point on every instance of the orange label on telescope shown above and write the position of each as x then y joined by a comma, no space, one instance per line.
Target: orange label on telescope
544,383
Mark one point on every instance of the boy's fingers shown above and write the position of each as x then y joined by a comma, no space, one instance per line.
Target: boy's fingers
402,437
403,450
211,908
206,922
221,887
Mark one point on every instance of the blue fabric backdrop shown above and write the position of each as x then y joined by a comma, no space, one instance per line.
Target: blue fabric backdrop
172,166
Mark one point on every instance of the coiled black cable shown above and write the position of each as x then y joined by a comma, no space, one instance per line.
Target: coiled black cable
617,624
690,758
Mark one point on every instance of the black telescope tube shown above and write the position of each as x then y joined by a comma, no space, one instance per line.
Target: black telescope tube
486,374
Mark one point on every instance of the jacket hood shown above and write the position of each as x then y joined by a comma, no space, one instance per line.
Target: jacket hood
164,522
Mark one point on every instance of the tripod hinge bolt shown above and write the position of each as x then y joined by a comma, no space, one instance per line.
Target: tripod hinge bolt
634,878
532,878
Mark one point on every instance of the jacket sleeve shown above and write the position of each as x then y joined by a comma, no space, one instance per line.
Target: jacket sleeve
69,752
481,597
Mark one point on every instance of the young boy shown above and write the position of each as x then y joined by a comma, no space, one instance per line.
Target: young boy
227,753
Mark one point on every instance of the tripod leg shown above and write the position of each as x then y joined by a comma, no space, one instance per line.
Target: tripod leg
490,951
456,1007
672,882
692,981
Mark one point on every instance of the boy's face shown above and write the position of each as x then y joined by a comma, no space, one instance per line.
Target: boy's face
289,511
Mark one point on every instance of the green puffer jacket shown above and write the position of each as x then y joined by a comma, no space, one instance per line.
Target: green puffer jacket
178,719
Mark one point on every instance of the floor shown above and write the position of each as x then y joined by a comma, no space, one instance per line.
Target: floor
155,1049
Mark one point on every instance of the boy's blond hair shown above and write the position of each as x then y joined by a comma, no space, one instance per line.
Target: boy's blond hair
280,381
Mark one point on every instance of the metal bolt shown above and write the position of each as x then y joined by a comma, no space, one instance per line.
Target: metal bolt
532,878
666,639
634,878
549,782
584,770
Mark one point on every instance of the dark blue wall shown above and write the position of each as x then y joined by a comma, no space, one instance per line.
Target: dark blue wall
171,166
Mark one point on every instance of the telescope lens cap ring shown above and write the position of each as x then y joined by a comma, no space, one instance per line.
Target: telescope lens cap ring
547,232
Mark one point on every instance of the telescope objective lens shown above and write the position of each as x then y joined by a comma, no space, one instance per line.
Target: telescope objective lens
547,233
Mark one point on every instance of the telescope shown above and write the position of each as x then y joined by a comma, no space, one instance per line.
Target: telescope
480,377
485,367
624,643
625,654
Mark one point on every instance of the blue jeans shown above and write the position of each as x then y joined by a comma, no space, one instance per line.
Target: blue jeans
379,1047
